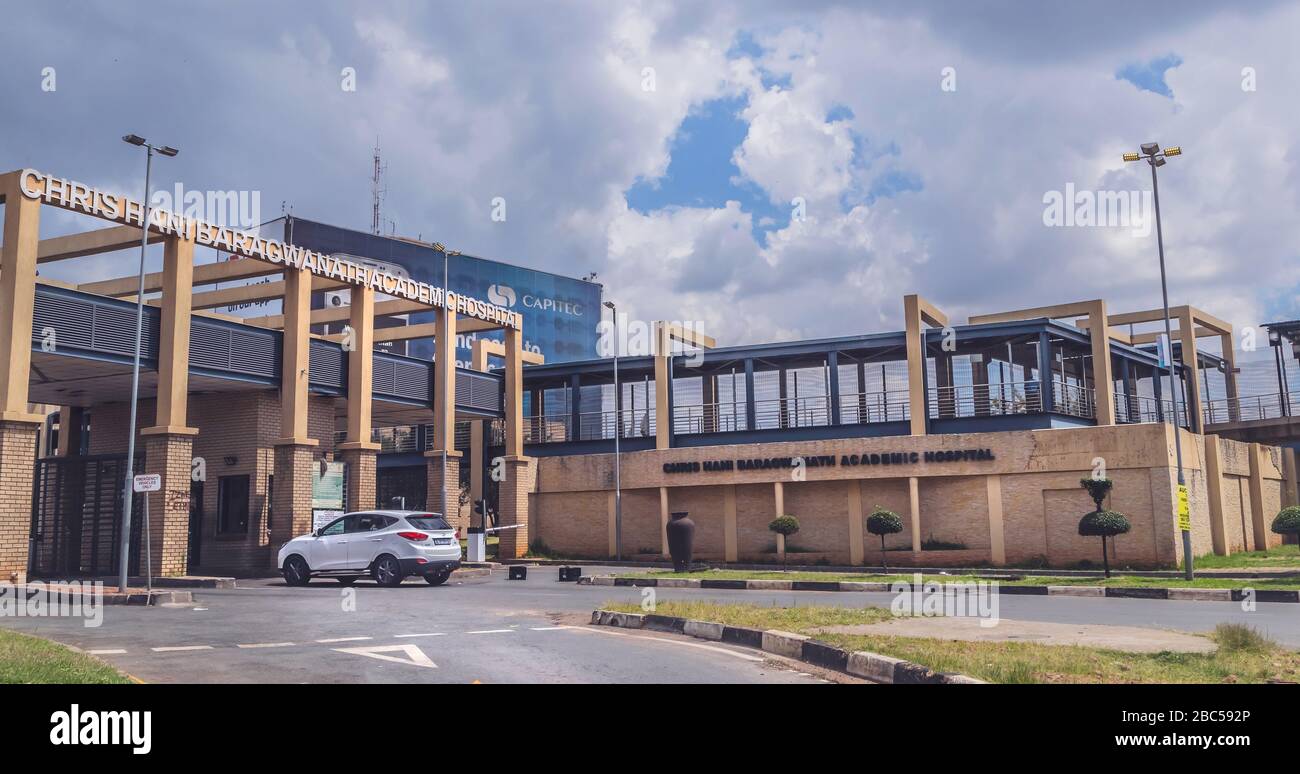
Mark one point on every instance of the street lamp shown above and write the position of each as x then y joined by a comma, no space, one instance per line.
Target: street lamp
1155,158
618,431
124,551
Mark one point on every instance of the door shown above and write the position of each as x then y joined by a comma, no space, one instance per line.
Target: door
367,533
329,549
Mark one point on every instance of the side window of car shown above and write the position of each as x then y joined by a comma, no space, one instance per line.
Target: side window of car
334,528
357,522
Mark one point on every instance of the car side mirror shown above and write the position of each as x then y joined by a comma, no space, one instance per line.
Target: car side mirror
315,533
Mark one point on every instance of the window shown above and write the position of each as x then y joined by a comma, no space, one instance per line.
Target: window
428,522
367,522
334,527
232,504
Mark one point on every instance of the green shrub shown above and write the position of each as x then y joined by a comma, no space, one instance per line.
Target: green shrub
1103,524
1097,488
884,522
784,525
1287,521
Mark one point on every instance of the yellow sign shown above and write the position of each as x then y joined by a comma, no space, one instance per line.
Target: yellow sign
1184,510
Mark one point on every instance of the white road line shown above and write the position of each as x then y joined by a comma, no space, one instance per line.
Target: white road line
178,648
265,645
344,639
491,631
713,648
549,628
427,634
107,652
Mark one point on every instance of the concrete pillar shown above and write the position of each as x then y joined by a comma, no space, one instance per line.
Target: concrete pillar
914,509
1229,354
1103,383
997,535
17,463
291,494
833,388
1045,387
1187,337
295,362
575,407
1289,493
751,411
361,477
434,499
915,333
520,477
729,543
1214,492
174,336
611,524
663,388
778,493
856,554
169,455
19,428
1258,519
514,397
663,521
71,418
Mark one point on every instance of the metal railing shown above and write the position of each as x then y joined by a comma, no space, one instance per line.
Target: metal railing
782,414
1073,399
406,438
1251,408
1138,409
709,418
862,408
985,400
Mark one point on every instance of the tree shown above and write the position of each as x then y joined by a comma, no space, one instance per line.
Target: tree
785,526
884,522
1101,522
1287,522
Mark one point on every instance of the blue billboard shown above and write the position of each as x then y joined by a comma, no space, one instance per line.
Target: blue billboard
560,313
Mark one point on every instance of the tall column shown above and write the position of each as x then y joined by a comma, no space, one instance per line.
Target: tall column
520,471
856,552
1258,518
778,497
663,388
71,419
169,443
575,407
19,429
914,510
1103,383
359,452
915,334
1226,348
1187,337
997,533
751,411
443,494
1214,492
295,450
730,551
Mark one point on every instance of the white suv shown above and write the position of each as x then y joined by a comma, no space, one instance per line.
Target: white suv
387,545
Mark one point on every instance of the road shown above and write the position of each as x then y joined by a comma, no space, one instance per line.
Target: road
496,631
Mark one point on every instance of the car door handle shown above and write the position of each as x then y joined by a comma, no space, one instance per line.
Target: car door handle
374,540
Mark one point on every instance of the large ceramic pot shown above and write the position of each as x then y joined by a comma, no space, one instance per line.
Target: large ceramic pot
681,540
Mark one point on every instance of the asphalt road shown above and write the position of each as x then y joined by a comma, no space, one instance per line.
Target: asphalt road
495,630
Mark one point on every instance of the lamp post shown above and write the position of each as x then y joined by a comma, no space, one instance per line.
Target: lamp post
1155,158
124,551
618,431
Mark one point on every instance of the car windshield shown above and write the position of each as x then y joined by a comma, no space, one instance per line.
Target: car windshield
428,521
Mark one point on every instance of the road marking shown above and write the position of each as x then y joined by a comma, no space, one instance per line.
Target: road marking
107,652
178,648
266,645
414,656
343,639
491,631
713,648
549,628
428,634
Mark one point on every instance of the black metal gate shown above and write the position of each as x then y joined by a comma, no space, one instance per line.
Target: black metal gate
402,487
77,517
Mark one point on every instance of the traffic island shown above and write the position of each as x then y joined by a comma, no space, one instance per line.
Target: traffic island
798,647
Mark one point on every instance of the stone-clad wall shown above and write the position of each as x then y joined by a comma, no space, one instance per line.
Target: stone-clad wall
1036,472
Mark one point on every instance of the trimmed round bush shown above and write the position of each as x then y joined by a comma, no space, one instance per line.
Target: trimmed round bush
1104,524
784,525
884,522
1097,488
1287,521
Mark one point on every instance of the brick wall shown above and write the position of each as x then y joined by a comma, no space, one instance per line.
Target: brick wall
17,465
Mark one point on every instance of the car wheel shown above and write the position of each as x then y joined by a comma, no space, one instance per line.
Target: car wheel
387,571
437,578
296,572
346,581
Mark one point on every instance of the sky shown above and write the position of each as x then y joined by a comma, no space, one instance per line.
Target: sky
771,171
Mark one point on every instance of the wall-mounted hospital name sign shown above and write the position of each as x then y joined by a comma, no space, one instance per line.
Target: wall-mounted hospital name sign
830,461
78,197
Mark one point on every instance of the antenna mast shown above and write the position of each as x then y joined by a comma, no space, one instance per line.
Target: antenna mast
377,191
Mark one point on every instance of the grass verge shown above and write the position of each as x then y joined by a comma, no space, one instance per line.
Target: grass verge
1243,655
25,659
1278,558
1026,580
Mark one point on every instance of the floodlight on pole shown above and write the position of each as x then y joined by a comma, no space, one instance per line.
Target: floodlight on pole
1155,157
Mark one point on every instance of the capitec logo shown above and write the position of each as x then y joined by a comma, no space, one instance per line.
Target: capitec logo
97,727
504,295
501,295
